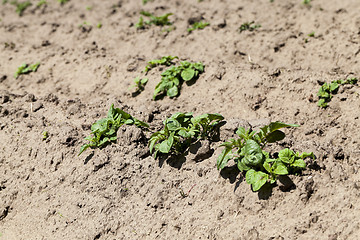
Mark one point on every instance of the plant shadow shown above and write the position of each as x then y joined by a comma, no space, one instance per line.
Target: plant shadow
89,157
175,161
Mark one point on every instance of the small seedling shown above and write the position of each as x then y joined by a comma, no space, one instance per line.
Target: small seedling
174,76
326,90
26,68
312,34
89,8
21,6
249,26
41,2
99,25
166,60
248,153
146,1
63,1
104,130
180,131
139,84
45,135
306,2
198,25
158,21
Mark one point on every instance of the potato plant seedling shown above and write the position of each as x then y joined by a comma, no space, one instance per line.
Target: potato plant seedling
174,76
41,3
249,26
166,61
158,21
104,130
139,84
248,153
20,6
26,68
63,1
146,1
328,89
198,25
180,131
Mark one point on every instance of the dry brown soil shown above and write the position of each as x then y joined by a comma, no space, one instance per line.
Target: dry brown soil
121,191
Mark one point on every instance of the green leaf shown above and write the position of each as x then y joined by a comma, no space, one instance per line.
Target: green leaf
83,148
166,145
299,163
334,87
188,74
223,158
305,155
279,168
173,92
252,154
249,176
241,166
256,179
287,156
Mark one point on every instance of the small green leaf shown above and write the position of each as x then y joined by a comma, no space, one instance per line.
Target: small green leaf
166,145
279,168
287,156
173,92
305,155
256,179
299,163
188,74
223,158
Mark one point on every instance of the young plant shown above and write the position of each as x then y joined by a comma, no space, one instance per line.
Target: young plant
180,131
45,135
21,6
198,25
63,1
306,2
166,61
250,157
139,84
158,21
146,1
104,130
41,2
327,89
174,76
250,26
26,68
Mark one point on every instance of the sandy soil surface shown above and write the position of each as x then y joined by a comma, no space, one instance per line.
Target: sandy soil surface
272,73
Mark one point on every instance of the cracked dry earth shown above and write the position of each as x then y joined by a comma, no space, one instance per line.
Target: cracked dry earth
272,73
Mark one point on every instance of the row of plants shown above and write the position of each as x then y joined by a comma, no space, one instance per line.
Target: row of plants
181,130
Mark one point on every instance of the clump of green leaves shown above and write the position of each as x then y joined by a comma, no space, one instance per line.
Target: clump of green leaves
104,130
327,89
26,68
306,2
146,1
158,21
180,131
174,76
21,6
249,26
198,25
63,1
139,84
41,2
248,153
45,135
166,60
